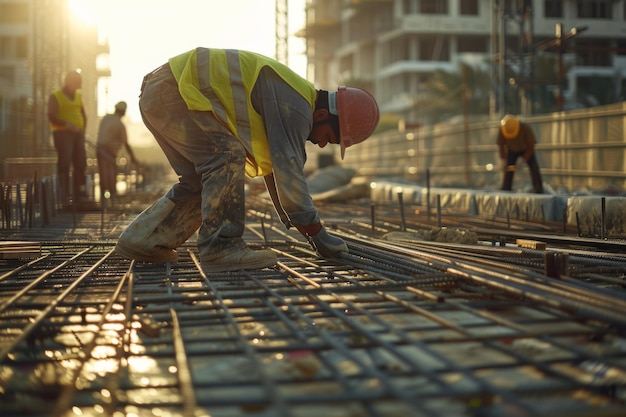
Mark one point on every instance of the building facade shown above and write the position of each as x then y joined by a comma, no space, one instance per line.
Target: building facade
535,56
40,40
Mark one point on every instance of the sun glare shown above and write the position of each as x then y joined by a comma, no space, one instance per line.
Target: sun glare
83,10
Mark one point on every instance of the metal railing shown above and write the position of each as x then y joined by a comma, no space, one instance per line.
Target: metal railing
32,202
579,149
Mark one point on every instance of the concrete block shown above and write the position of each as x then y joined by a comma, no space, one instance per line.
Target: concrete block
589,210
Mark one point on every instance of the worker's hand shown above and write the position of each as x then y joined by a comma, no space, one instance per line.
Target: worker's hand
327,245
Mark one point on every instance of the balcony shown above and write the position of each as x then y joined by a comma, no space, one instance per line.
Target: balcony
355,4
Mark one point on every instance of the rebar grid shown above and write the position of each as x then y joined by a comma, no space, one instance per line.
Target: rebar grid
383,331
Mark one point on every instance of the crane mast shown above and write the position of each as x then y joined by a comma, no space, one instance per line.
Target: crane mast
282,31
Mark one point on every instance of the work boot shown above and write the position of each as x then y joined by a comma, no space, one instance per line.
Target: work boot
244,258
155,234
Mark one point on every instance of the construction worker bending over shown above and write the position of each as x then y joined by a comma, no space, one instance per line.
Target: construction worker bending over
220,115
516,139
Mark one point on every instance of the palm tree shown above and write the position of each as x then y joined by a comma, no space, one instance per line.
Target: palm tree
442,95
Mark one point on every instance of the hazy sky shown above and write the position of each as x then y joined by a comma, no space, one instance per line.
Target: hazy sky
143,34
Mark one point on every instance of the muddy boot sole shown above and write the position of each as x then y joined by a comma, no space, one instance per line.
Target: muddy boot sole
158,255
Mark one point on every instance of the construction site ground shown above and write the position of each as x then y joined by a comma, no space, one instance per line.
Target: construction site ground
430,314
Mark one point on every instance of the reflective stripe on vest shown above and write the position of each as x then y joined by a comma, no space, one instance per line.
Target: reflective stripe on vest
221,81
240,97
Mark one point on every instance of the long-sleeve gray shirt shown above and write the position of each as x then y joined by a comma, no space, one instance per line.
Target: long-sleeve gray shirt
288,119
112,133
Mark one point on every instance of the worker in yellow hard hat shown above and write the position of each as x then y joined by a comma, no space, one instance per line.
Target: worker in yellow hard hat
516,139
220,115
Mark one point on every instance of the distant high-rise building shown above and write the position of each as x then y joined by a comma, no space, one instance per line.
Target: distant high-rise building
393,48
40,40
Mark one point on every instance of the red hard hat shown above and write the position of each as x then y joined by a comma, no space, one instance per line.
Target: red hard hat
358,116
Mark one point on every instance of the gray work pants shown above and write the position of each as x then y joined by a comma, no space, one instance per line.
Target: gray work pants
208,159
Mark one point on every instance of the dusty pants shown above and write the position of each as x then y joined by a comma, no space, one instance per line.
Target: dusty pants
205,155
107,167
70,147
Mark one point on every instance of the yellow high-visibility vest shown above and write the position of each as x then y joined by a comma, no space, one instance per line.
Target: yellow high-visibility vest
221,81
69,110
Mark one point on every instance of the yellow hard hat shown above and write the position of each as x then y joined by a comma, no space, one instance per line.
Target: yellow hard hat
509,126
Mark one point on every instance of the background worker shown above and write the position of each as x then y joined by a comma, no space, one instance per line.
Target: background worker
68,121
216,127
516,139
112,137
